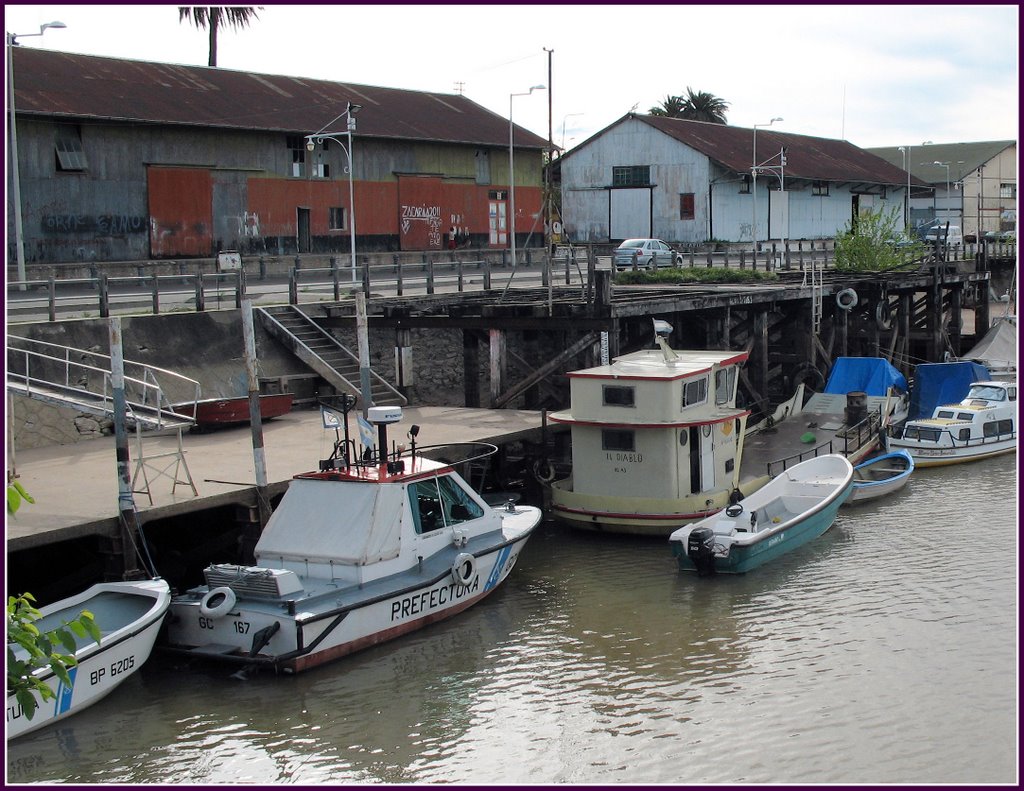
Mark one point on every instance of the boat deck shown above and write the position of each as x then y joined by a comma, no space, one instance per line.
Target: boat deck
820,418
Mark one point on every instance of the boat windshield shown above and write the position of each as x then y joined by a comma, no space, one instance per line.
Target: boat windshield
987,392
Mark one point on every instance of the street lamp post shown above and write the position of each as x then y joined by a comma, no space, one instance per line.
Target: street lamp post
906,160
570,115
753,183
19,235
319,137
512,174
946,166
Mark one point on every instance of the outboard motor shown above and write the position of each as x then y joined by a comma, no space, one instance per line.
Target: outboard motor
700,549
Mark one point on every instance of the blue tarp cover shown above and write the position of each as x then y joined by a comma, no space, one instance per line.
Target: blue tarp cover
942,383
870,375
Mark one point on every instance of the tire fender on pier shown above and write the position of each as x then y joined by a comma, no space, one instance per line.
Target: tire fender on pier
847,299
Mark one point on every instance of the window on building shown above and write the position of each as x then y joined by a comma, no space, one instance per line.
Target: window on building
615,395
745,185
631,176
695,392
819,188
337,218
68,148
1008,191
297,149
618,439
686,206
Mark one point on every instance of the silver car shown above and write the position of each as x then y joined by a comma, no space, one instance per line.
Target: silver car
649,254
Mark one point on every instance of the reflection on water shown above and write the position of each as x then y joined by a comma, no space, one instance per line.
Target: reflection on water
883,652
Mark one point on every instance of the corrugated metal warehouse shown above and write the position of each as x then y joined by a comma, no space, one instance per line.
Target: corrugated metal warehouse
690,181
124,160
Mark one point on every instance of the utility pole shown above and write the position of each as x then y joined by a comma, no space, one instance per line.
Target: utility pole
548,219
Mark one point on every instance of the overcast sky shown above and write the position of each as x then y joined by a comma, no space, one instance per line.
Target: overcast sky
873,75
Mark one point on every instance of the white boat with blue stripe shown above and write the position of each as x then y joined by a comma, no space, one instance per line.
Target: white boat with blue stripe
372,546
796,506
128,616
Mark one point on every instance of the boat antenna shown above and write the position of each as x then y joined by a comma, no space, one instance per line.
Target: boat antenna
662,329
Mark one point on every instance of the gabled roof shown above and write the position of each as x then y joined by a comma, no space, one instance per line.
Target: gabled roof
87,87
732,147
963,158
816,158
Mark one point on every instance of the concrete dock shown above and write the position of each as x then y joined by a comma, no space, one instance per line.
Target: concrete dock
75,487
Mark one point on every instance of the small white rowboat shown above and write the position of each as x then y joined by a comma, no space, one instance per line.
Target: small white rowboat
128,615
880,476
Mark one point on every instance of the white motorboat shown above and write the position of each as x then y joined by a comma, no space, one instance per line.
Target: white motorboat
981,425
373,545
796,506
128,615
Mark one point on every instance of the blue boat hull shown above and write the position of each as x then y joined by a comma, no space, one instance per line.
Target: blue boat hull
744,558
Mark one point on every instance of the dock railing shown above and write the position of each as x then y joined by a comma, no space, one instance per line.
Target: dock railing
847,442
294,281
82,378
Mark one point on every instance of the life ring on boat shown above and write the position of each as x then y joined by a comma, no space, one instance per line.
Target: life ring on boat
847,299
464,569
217,602
543,471
734,510
883,314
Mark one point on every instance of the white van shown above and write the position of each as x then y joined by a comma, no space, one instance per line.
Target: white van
952,236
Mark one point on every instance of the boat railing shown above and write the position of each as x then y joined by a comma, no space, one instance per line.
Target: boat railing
846,443
82,377
935,436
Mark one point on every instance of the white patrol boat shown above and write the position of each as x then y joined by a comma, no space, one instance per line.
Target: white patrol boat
981,425
370,547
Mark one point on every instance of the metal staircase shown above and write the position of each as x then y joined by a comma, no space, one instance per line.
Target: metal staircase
322,352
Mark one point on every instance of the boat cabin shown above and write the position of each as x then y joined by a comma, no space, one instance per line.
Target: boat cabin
657,423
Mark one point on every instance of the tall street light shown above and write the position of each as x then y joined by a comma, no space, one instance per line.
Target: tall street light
319,137
753,183
946,166
570,115
19,235
512,173
906,160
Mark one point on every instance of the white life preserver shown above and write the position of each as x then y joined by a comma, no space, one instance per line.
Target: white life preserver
847,299
464,569
217,602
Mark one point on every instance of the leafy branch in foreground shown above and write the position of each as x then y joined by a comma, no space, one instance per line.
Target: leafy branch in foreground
40,649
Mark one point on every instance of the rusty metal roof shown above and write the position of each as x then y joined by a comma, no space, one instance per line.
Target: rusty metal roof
59,84
815,158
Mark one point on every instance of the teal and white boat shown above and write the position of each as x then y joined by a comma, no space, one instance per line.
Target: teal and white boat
796,506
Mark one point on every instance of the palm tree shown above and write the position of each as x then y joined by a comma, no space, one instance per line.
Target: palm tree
670,107
703,106
695,106
213,17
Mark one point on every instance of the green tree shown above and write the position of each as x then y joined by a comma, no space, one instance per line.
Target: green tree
702,106
212,18
670,107
695,106
871,243
40,649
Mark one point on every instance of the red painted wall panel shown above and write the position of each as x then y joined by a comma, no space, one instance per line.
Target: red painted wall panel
180,212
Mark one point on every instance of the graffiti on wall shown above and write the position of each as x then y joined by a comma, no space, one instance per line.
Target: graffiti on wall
100,224
430,215
249,225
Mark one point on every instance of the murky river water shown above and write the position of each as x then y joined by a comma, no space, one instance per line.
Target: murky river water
883,652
